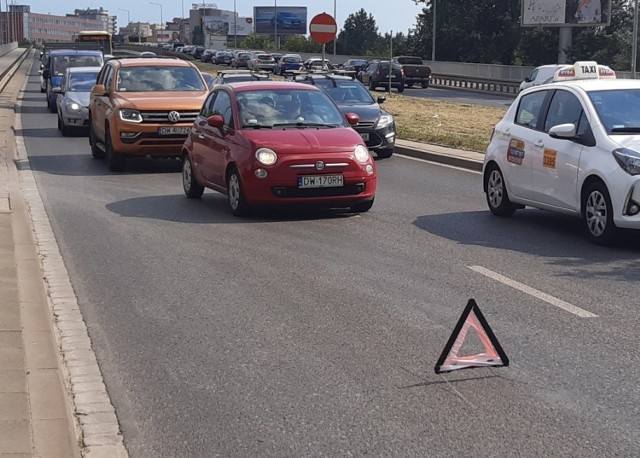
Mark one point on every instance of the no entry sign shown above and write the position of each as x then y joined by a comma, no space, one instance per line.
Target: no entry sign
323,28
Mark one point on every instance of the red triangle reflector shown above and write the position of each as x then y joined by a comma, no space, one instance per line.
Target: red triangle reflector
493,355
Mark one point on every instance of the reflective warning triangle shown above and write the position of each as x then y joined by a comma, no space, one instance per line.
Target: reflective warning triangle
493,355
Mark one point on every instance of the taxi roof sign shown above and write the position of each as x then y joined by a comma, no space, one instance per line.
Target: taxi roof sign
584,70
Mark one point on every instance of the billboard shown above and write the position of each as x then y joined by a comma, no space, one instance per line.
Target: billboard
565,13
287,20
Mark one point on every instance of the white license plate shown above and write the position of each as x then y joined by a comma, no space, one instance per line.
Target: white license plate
365,136
173,130
320,181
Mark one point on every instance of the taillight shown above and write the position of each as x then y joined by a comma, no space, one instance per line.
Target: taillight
402,71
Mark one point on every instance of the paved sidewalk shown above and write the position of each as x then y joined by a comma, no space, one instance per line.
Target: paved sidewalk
35,418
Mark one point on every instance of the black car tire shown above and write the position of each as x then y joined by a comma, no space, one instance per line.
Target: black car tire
192,189
598,214
384,153
362,207
43,90
401,88
96,152
235,194
372,85
497,196
115,162
425,84
66,131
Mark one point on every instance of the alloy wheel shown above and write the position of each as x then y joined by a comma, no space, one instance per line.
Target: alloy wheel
596,213
495,189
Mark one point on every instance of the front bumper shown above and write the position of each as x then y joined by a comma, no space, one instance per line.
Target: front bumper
145,140
75,118
378,139
624,191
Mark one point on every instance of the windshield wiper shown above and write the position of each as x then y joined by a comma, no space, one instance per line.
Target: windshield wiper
626,129
257,126
303,124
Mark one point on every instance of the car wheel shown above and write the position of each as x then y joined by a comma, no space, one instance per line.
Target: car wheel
115,161
192,188
96,152
66,131
401,88
425,84
372,85
384,153
362,207
598,214
53,108
235,193
59,122
43,90
497,196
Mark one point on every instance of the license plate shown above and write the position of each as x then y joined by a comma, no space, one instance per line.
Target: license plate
365,136
320,181
173,130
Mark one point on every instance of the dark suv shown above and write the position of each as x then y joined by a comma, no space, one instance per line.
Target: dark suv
376,73
376,126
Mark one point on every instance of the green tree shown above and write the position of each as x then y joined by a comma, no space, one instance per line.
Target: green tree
537,46
256,41
359,34
300,43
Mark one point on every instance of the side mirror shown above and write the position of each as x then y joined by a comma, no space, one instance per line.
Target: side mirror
99,90
352,118
216,121
527,79
381,98
566,131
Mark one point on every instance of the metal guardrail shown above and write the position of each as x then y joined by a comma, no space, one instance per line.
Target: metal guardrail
469,83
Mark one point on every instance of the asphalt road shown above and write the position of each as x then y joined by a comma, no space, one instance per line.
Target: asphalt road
316,334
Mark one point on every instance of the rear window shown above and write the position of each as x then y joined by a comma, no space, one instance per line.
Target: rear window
265,56
61,63
410,60
291,60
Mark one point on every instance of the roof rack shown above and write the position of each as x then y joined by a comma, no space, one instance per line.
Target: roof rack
299,75
241,72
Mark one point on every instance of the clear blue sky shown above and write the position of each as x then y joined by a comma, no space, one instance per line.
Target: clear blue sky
396,15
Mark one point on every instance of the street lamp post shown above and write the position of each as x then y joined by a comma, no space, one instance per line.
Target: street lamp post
433,43
235,26
334,17
275,22
634,42
161,20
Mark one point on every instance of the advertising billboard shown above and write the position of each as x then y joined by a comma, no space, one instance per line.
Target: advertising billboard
287,19
565,13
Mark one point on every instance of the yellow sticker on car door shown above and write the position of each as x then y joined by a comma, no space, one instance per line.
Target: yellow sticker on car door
549,158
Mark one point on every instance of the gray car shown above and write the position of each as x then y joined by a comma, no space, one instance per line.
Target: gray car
73,98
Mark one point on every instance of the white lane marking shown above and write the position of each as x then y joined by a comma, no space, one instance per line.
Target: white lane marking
438,163
534,292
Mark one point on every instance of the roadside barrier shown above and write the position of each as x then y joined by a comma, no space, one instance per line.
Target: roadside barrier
469,83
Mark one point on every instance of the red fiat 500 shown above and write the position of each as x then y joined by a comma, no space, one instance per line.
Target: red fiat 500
273,143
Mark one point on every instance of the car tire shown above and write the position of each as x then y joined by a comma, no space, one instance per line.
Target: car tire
66,131
362,207
43,90
425,84
401,89
372,85
53,108
497,196
59,122
598,214
235,194
96,152
115,162
384,153
192,189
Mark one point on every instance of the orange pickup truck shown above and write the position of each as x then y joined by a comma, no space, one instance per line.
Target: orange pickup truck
143,107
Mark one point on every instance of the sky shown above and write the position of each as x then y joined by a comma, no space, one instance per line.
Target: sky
396,15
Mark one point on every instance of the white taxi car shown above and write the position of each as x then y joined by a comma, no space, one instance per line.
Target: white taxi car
571,146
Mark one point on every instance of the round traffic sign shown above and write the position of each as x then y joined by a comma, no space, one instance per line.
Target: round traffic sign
323,28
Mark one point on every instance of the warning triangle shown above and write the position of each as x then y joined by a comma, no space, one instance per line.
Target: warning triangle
493,355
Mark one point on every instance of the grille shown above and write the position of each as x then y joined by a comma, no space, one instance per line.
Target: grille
365,124
163,116
348,190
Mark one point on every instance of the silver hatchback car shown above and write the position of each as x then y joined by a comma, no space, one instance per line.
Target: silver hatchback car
73,99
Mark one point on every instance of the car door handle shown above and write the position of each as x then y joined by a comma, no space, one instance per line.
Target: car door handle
507,132
539,143
201,136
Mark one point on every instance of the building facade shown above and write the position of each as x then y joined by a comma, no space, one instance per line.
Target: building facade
110,23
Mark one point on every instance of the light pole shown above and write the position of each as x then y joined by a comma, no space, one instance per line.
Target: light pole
433,43
334,18
235,26
275,30
161,20
634,42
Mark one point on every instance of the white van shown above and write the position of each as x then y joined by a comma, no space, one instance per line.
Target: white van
540,75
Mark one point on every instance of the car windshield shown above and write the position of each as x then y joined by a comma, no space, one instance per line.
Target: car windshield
82,82
346,92
157,78
619,109
61,63
287,108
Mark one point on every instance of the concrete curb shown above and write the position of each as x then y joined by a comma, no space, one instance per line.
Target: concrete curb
96,423
471,160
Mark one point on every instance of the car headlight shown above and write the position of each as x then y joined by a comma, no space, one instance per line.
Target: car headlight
362,154
71,105
266,156
628,159
130,115
385,120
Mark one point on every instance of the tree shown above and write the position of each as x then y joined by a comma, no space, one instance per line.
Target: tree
358,34
300,43
256,41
